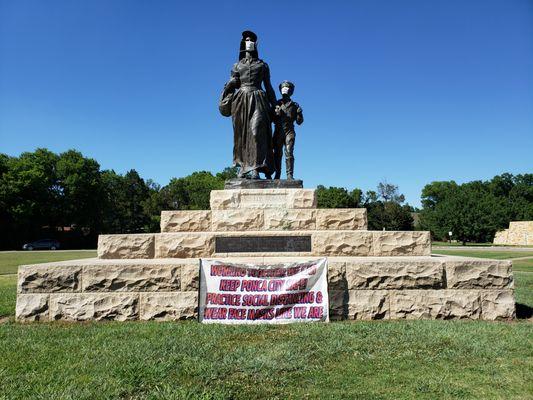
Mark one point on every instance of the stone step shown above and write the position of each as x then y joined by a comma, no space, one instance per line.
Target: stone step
360,288
263,198
265,243
269,219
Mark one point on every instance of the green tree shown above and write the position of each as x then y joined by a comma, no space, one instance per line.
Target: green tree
337,197
227,173
152,206
125,198
520,199
389,193
385,209
30,194
80,182
191,192
435,213
390,216
473,211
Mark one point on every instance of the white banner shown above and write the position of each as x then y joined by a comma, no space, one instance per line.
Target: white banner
254,294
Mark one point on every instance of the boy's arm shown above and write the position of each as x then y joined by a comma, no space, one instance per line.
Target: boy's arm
299,115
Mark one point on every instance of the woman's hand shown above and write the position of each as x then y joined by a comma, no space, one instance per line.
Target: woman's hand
234,82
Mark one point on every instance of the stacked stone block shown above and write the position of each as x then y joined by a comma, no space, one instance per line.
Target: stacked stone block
371,274
520,233
122,290
439,287
324,243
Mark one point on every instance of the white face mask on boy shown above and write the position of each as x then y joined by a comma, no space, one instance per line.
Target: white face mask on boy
250,46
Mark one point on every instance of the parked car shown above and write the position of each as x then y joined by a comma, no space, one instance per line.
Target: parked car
43,244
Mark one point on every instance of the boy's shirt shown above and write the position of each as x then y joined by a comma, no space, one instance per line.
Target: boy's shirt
288,112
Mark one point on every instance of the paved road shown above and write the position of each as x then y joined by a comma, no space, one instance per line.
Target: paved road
45,251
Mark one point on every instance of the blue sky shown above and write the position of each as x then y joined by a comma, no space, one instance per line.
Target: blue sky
404,91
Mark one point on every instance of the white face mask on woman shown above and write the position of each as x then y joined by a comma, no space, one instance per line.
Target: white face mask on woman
250,46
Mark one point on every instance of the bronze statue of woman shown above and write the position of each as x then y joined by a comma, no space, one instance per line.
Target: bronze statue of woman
250,111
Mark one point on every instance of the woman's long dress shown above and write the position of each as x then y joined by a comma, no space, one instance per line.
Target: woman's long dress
250,111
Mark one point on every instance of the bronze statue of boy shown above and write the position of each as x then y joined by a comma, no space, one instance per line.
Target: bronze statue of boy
286,113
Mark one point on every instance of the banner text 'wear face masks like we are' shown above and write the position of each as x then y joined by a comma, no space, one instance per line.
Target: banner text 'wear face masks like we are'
253,294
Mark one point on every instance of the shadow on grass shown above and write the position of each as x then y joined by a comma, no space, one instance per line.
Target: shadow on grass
523,311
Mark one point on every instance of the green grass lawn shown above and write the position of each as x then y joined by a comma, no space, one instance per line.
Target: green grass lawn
496,255
525,265
488,244
364,360
436,243
367,360
10,260
8,295
524,288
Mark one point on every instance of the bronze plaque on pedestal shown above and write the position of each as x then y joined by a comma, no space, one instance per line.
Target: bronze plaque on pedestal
262,244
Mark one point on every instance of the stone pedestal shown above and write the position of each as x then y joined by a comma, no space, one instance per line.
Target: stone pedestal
371,274
281,199
263,184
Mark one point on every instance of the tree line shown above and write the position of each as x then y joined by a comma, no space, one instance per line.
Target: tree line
475,211
68,197
385,208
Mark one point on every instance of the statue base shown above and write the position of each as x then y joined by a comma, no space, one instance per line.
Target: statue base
371,274
241,183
